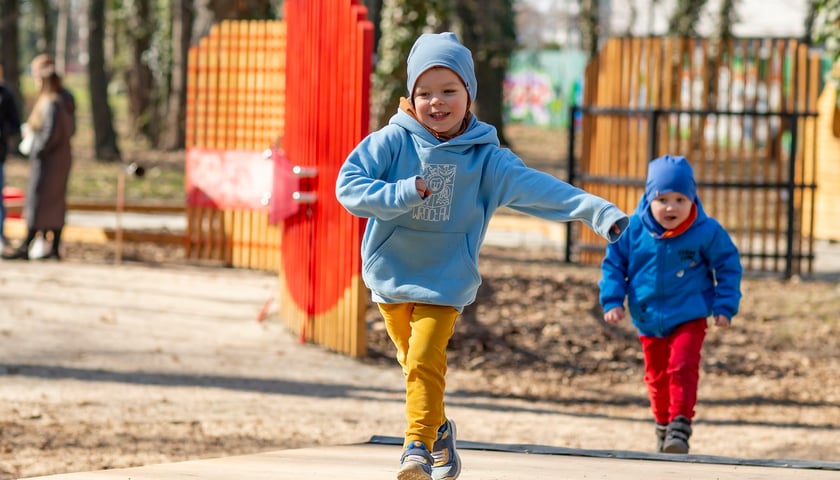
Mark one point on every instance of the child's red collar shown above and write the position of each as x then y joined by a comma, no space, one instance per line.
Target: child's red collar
692,216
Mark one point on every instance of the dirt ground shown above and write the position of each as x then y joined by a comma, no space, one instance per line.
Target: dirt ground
158,361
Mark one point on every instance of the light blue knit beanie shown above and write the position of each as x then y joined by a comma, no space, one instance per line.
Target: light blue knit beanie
441,50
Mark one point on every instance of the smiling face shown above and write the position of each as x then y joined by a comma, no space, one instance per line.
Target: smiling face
440,100
670,209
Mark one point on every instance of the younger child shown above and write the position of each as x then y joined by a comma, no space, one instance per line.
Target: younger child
429,182
676,266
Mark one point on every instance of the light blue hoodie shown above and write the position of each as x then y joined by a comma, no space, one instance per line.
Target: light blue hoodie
426,250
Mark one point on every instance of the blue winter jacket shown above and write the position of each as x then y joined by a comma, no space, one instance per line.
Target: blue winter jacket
670,281
426,250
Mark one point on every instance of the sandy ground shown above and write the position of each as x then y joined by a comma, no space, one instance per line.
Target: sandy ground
106,367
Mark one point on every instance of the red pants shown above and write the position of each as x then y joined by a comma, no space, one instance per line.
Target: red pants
672,370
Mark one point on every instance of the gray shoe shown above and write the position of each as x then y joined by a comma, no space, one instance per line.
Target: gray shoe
415,463
661,431
676,438
447,464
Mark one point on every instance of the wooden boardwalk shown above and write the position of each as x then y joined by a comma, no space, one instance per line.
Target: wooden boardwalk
377,460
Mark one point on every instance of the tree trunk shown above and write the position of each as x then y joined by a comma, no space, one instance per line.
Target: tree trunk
175,133
9,14
683,22
61,36
105,137
402,22
139,79
810,18
203,19
590,28
45,41
241,9
374,8
492,40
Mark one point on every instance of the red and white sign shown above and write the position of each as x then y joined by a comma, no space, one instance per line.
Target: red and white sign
228,178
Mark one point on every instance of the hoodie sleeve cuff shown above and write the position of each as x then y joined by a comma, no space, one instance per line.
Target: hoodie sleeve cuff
612,215
408,193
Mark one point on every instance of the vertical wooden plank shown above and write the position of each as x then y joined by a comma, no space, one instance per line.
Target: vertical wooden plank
224,110
358,293
704,127
780,174
804,104
751,158
192,96
666,100
736,214
810,155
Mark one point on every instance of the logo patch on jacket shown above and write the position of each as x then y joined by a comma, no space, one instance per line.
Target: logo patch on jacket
688,255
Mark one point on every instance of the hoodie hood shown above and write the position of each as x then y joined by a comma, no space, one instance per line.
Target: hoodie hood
476,133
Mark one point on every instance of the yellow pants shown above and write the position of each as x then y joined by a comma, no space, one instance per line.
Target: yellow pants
421,332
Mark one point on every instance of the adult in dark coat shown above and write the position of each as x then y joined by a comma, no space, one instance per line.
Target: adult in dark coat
52,126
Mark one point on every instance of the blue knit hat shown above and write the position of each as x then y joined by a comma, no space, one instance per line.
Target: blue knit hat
441,50
668,174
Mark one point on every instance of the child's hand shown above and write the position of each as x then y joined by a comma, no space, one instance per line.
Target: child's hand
614,315
722,321
422,188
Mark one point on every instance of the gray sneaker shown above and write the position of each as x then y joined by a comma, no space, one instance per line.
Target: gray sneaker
661,432
676,439
447,464
415,463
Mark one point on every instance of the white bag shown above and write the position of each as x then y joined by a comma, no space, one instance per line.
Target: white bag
25,146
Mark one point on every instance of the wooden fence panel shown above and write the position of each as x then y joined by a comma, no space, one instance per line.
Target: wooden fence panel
235,102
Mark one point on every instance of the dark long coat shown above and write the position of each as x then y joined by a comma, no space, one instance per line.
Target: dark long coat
45,205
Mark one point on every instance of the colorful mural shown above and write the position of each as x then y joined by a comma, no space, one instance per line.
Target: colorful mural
540,86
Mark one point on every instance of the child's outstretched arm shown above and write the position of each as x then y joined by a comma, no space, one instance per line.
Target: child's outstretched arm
542,195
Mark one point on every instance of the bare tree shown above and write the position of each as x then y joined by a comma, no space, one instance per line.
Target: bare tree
375,15
9,13
62,24
402,22
810,20
208,12
139,77
589,22
488,29
175,132
105,137
827,32
686,16
45,39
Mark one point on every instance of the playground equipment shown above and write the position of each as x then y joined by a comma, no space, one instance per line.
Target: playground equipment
274,108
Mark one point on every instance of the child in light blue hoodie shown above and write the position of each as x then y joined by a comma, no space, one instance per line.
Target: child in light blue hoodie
428,183
676,267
